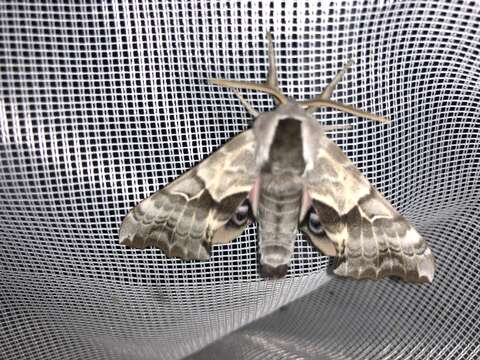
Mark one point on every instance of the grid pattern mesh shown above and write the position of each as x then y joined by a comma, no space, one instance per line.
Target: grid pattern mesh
102,103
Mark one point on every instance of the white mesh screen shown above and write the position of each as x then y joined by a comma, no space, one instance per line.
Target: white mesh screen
102,103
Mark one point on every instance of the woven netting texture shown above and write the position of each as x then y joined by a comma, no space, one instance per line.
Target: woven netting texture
104,102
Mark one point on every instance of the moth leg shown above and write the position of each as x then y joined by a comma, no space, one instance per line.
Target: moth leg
328,128
270,86
246,104
272,79
323,100
327,92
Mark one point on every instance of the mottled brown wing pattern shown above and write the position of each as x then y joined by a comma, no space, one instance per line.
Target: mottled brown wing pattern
193,212
369,237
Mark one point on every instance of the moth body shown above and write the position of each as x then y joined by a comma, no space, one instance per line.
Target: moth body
282,156
277,217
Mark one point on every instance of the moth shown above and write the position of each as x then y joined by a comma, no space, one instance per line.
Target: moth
287,175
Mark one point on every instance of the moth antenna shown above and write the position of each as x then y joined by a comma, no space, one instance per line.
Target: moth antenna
323,100
327,92
316,104
246,104
328,128
270,86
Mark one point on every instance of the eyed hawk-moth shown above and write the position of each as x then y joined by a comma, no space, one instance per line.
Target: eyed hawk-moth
287,175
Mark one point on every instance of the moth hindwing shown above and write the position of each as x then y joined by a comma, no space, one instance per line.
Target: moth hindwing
285,174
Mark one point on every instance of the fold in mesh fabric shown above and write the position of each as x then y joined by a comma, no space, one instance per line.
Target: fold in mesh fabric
104,103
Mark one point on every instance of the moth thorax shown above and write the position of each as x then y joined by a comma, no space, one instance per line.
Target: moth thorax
286,149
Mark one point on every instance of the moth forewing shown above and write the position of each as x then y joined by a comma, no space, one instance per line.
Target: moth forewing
372,240
287,142
194,211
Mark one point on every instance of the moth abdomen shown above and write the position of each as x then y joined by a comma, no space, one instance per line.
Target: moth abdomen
275,250
273,272
277,215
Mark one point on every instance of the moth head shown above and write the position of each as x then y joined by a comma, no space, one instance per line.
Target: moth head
270,86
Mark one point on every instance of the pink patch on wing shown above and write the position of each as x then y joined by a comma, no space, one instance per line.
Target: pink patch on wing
306,205
253,195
